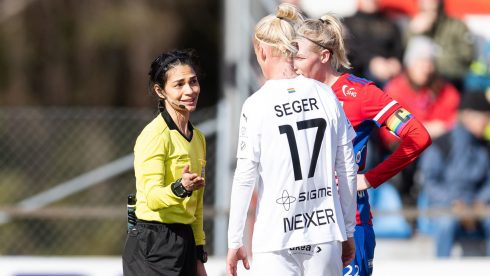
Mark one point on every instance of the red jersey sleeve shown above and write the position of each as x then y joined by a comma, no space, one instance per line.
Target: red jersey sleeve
414,140
377,105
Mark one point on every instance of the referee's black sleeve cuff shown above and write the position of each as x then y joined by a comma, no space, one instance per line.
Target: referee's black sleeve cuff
201,254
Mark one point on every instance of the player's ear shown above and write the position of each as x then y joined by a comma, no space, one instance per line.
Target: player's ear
325,55
260,52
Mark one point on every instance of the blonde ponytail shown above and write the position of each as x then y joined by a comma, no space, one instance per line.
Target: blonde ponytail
327,33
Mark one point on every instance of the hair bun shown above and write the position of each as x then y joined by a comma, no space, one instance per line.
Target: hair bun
325,19
286,11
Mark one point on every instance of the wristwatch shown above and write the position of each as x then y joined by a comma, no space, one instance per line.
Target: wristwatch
179,190
201,254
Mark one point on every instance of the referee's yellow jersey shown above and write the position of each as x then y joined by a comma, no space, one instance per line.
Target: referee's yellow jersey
161,152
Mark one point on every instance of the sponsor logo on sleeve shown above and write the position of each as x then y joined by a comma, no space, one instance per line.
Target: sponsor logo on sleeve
243,145
243,131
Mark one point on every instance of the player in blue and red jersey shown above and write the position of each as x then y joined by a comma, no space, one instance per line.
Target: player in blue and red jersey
321,55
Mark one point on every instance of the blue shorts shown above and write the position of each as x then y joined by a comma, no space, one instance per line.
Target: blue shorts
362,265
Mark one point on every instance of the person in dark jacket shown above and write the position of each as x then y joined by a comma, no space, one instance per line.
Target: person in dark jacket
452,36
455,174
374,43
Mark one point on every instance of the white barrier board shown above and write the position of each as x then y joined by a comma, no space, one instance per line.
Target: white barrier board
111,266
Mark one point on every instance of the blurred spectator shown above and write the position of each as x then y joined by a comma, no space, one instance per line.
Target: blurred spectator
374,43
315,9
478,76
452,36
293,2
454,8
455,174
431,99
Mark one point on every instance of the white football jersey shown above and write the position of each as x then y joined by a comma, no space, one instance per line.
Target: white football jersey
292,128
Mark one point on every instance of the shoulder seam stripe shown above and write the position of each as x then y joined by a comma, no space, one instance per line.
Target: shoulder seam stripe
383,111
357,79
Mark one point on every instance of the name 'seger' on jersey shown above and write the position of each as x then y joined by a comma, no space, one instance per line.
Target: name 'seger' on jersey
296,106
292,129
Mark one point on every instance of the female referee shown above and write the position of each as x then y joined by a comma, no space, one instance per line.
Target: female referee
169,167
293,136
321,55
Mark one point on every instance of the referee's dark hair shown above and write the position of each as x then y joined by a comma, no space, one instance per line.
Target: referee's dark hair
168,60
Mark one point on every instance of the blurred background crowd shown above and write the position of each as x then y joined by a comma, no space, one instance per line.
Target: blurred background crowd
426,56
73,97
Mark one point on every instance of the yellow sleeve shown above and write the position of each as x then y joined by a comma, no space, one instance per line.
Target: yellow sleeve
150,156
198,224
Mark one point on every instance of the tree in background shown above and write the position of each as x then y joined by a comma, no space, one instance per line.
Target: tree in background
93,53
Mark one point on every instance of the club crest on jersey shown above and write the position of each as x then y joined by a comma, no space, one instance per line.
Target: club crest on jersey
359,154
349,91
291,90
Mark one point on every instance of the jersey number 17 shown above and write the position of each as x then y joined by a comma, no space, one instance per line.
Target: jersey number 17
321,125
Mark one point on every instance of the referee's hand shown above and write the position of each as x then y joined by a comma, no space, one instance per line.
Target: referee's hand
234,255
191,181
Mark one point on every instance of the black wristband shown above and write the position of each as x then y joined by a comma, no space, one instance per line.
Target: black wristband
201,254
179,190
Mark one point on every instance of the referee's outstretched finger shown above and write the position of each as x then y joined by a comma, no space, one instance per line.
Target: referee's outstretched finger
186,169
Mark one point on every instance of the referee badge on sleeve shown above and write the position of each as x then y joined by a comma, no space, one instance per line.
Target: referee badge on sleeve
203,167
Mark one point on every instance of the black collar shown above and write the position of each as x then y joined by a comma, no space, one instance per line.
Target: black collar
172,126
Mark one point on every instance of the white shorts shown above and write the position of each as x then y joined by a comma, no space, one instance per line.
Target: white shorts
324,259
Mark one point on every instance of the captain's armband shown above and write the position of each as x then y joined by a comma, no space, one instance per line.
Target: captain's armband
398,120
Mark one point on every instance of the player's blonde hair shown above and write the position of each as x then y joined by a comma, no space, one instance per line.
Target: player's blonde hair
327,33
278,30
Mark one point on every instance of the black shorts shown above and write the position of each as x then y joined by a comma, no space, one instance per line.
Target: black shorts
154,248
